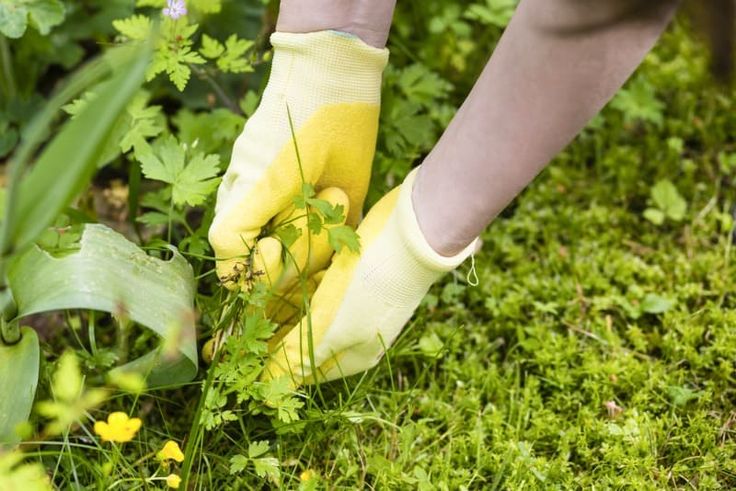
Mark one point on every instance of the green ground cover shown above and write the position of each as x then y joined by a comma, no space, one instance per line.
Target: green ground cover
596,351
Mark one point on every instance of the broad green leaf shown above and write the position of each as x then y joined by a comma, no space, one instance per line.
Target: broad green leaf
69,161
43,14
13,19
18,378
108,273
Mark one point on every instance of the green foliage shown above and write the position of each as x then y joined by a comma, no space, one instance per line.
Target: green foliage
14,474
596,352
667,203
71,402
15,16
230,57
192,179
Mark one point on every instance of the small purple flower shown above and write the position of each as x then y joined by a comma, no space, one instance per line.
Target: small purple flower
175,9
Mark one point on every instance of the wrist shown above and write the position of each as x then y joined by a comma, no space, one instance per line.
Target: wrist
370,20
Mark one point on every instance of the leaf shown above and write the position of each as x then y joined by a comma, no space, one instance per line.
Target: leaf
238,463
233,60
431,345
211,48
15,475
666,197
68,162
655,304
191,182
267,467
654,215
495,12
106,272
330,214
43,14
67,379
13,19
137,27
256,449
638,101
288,234
343,236
680,396
19,366
197,181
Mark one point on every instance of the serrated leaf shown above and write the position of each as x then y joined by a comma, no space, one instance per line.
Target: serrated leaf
331,215
233,60
238,463
257,449
211,48
197,181
192,182
343,236
288,234
136,27
267,467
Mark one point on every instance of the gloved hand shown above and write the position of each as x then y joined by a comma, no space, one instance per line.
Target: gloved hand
327,85
364,299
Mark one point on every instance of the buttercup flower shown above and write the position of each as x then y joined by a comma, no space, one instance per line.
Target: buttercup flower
173,481
175,9
119,428
171,451
307,475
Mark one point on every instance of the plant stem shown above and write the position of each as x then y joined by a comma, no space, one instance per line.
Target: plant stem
7,65
218,89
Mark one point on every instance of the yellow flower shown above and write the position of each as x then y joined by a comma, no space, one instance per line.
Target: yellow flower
173,481
171,451
119,428
307,475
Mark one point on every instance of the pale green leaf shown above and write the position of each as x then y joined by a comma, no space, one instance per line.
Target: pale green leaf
136,27
211,48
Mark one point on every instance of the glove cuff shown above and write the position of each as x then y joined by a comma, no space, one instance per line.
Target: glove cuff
413,236
330,65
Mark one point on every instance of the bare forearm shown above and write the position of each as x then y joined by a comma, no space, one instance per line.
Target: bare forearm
545,80
370,20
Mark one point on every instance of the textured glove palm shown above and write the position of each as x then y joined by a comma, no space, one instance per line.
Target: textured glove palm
325,86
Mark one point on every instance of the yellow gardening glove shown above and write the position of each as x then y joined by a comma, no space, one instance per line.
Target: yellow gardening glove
365,299
330,82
